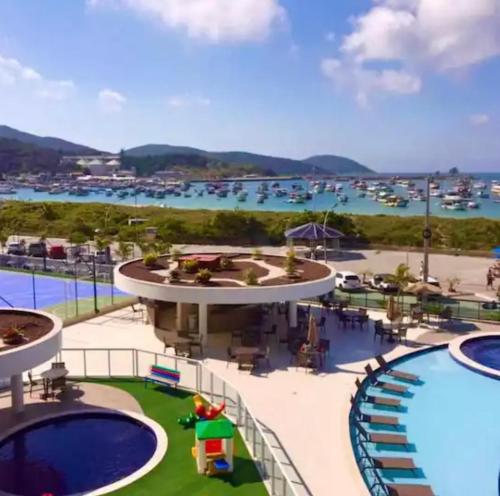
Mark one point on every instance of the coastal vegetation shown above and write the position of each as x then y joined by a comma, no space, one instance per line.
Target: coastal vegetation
79,222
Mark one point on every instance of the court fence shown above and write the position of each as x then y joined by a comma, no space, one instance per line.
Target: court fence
68,289
279,476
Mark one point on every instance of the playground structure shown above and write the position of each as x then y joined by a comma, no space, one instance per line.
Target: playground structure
214,447
201,412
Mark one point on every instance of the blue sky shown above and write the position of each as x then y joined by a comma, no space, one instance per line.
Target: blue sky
400,85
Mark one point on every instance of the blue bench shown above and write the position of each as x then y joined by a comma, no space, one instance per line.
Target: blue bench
163,375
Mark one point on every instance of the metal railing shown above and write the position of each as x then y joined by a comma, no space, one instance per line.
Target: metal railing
460,308
131,362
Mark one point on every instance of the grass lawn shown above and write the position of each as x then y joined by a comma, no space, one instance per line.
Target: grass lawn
176,474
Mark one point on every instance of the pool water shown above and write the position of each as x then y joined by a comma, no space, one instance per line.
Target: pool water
74,454
485,350
452,421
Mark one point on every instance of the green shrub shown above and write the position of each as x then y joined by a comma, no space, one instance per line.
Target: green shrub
290,264
150,259
203,276
190,266
174,276
250,277
257,254
226,263
175,254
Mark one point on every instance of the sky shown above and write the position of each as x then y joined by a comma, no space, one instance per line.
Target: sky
399,85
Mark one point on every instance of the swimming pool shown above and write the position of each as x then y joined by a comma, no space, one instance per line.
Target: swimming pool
16,289
451,421
484,350
74,454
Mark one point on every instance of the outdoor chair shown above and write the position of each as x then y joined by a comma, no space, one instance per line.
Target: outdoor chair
386,386
395,373
409,490
294,347
266,356
326,306
58,365
445,315
32,382
273,331
58,383
182,350
375,438
196,342
321,325
373,419
402,334
363,318
376,400
343,319
230,356
379,331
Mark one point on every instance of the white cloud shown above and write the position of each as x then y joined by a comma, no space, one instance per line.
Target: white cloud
178,101
13,72
415,37
479,119
213,20
111,101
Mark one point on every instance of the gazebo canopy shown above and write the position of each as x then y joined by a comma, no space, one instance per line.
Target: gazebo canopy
313,231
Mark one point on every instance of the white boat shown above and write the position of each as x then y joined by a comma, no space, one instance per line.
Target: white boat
473,204
453,205
7,190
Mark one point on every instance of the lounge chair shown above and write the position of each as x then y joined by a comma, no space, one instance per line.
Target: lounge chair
373,419
393,463
386,386
376,400
376,438
406,376
409,490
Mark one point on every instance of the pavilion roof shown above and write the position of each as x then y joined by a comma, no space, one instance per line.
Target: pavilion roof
313,231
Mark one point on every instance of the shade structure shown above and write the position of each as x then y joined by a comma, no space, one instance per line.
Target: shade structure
423,288
313,232
312,331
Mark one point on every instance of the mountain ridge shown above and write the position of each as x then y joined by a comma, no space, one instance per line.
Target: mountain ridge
323,164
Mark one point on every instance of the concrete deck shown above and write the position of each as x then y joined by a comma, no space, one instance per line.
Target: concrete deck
83,395
306,412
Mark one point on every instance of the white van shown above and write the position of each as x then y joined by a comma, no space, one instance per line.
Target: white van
347,280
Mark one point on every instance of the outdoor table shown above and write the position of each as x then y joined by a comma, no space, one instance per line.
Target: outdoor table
351,315
49,375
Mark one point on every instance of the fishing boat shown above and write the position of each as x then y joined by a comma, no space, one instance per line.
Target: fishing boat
242,196
453,204
473,204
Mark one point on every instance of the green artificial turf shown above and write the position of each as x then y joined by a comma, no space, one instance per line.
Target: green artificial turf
176,474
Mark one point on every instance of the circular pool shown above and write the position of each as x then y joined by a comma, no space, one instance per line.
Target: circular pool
485,350
480,353
90,452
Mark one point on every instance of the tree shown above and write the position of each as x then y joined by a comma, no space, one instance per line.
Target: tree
402,277
101,243
77,238
124,250
4,237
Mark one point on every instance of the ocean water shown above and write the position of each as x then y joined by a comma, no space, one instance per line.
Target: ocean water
320,202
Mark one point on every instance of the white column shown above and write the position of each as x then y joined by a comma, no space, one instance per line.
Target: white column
203,322
292,313
17,391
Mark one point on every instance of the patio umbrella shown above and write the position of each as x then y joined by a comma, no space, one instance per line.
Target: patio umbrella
423,288
392,309
312,331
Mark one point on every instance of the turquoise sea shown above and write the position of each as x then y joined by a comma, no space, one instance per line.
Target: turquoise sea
320,201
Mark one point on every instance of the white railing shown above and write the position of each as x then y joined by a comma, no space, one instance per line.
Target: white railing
279,476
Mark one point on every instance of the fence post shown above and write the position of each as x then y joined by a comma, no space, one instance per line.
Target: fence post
109,362
211,387
272,475
34,288
198,373
112,281
84,362
238,409
76,289
96,308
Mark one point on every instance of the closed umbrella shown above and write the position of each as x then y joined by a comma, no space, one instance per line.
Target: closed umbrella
392,309
312,331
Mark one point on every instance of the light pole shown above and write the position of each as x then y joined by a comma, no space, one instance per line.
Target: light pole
324,230
427,233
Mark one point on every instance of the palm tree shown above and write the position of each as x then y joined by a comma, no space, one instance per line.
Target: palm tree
101,243
124,250
402,277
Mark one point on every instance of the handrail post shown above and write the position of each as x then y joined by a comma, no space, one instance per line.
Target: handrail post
109,362
272,475
238,409
211,387
84,362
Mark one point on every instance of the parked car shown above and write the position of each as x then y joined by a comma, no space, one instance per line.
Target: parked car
57,252
37,249
16,249
382,282
347,280
431,280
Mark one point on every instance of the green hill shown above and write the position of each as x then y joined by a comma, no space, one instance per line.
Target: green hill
322,164
17,157
337,165
60,145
